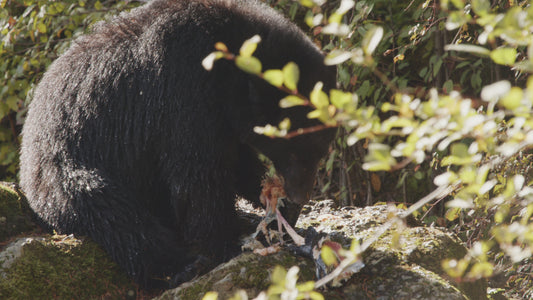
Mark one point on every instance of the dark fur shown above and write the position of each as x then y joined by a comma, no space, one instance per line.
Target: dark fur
130,141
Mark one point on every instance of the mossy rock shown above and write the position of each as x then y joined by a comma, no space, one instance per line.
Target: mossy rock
63,267
16,217
248,272
403,263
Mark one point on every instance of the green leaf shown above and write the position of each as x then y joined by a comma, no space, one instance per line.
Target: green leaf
41,27
481,7
291,75
468,48
210,296
452,213
513,99
59,7
317,114
328,256
209,60
278,275
458,3
307,3
98,5
355,247
306,286
249,46
313,20
396,121
457,19
336,57
248,64
448,86
285,124
375,166
481,269
314,295
318,98
504,56
340,99
335,18
468,175
378,158
372,39
274,77
291,101
12,102
459,150
267,130
4,110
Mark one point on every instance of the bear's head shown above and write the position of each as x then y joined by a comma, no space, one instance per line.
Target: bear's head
295,159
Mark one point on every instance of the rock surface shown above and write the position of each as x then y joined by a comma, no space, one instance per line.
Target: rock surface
404,263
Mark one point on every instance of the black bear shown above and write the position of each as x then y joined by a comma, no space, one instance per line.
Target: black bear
130,141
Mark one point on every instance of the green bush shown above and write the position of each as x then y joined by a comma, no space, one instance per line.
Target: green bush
32,34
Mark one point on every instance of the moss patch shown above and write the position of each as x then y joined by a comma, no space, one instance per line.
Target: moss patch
65,268
15,214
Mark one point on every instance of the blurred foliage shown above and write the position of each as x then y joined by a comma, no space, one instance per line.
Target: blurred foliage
32,34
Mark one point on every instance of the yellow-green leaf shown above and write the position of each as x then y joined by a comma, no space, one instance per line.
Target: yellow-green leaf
314,295
336,57
503,56
340,99
274,77
459,150
468,48
209,60
285,124
318,98
317,114
328,256
458,3
41,27
291,75
291,101
372,39
481,269
306,286
513,98
278,275
355,247
481,7
452,213
455,268
210,296
248,64
335,18
249,46
375,166
12,102
98,5
221,47
307,3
